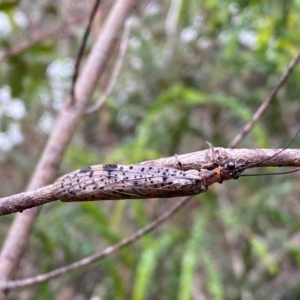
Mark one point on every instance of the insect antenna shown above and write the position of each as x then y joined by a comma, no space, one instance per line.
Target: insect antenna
276,173
241,168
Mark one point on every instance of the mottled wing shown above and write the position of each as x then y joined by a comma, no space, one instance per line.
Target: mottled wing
113,182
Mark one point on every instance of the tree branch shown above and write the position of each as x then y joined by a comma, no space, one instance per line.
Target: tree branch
81,50
5,285
116,71
266,102
31,41
67,122
117,182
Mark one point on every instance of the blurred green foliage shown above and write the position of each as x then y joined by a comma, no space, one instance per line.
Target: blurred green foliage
194,71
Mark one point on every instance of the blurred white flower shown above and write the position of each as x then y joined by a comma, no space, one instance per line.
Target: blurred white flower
136,63
10,107
135,43
5,25
5,142
223,37
204,43
14,133
20,19
188,35
248,38
199,22
46,122
122,97
153,8
59,73
60,69
16,109
135,22
5,96
234,8
236,20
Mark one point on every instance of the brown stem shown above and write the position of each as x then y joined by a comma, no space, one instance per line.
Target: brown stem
196,160
191,161
68,120
5,285
31,41
22,201
116,71
266,102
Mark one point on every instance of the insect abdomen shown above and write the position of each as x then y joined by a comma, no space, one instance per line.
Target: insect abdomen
113,182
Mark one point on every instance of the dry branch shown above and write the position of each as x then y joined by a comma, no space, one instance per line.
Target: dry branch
12,284
263,107
67,122
116,71
194,164
31,41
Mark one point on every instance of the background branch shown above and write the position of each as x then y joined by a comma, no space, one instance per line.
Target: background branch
81,50
37,37
284,77
69,118
116,71
100,255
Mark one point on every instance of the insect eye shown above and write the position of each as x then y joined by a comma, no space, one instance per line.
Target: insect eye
231,165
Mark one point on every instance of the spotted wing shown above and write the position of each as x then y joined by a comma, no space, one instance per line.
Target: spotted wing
113,182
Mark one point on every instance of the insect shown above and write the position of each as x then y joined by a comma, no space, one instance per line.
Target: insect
113,182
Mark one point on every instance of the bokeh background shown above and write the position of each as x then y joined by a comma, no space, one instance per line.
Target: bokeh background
194,71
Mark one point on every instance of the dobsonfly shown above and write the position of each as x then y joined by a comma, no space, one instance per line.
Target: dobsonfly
114,182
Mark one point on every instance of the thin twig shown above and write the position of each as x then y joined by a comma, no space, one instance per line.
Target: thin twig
6,285
22,46
266,102
116,71
81,50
